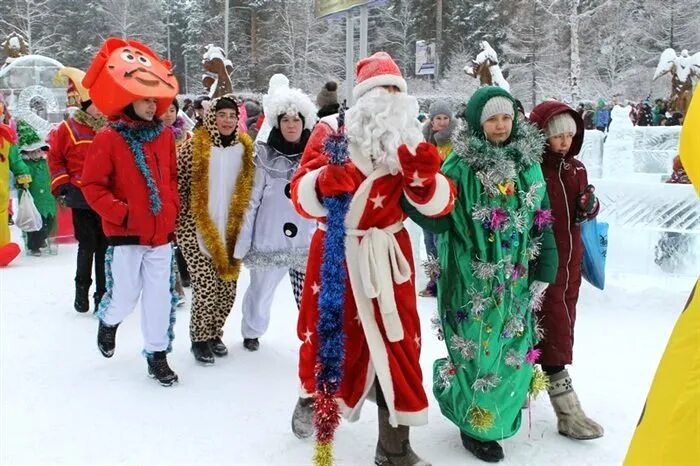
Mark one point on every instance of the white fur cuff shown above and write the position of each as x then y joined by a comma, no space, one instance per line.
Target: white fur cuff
306,195
439,200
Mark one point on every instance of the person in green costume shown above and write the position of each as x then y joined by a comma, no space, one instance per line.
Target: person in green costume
32,149
496,257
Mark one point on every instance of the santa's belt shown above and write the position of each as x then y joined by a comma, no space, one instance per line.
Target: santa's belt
381,257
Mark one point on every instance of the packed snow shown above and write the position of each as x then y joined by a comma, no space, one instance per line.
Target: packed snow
62,403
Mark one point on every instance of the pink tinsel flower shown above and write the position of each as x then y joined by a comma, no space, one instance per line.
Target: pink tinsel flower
543,217
532,355
518,271
498,218
500,288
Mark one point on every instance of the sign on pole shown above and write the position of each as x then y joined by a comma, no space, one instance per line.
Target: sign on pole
328,7
425,57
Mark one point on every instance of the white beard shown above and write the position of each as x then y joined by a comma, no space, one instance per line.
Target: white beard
379,123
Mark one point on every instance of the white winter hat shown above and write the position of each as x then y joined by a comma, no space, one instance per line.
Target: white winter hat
283,100
562,123
496,105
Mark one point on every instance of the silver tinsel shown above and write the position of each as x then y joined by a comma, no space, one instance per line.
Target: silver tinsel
467,348
486,383
518,220
481,213
528,198
484,270
538,330
431,266
290,259
508,267
513,358
534,248
436,326
513,326
477,304
445,374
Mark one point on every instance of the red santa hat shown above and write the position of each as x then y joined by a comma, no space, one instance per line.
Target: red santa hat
375,71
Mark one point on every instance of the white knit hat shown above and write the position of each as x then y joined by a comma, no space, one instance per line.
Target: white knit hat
560,124
496,105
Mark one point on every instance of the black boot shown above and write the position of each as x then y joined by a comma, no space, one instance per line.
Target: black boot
106,339
82,298
97,298
159,369
302,419
217,347
490,451
251,344
202,352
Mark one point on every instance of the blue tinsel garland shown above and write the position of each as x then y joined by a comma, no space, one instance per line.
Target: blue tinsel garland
331,301
136,137
109,284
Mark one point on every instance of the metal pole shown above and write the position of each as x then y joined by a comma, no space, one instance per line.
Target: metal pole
349,56
438,39
226,28
363,31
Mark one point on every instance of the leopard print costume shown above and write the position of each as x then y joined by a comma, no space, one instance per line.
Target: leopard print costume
212,297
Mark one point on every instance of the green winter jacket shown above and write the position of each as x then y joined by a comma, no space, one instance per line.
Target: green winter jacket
493,244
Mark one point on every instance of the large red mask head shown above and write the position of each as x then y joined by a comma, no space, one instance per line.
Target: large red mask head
124,71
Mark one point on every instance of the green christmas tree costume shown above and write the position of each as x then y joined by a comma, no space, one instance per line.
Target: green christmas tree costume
30,146
495,242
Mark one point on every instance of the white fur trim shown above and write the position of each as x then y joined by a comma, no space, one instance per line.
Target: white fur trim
377,81
307,198
439,201
294,101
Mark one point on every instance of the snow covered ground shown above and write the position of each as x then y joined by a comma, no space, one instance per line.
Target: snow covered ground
62,403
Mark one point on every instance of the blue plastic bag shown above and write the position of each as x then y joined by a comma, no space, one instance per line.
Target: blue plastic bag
595,249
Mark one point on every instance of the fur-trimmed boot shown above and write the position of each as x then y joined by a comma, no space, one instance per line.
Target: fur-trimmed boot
302,419
572,422
393,445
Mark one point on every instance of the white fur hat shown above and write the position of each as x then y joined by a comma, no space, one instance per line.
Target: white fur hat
281,99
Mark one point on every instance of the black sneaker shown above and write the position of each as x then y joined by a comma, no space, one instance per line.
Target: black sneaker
106,339
490,451
217,347
251,344
82,298
202,352
159,369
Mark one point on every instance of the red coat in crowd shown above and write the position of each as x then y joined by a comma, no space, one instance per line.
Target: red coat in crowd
69,144
566,179
117,190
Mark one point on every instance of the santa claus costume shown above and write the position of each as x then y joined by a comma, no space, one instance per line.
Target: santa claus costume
382,339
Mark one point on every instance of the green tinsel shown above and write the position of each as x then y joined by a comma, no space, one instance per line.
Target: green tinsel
26,134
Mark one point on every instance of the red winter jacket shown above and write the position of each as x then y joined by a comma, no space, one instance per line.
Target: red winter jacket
69,144
116,189
566,178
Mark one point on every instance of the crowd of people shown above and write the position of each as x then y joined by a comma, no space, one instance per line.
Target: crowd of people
159,204
599,115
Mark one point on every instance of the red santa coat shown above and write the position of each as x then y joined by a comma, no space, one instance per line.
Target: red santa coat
381,323
69,144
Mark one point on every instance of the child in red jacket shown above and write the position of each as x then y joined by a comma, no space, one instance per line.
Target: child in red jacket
573,202
130,180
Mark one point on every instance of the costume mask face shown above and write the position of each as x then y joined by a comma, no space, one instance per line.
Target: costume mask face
125,71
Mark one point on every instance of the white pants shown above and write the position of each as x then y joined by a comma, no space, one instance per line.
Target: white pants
258,298
142,271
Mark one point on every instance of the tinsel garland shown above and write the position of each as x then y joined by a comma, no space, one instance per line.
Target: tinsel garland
136,136
221,253
331,304
539,382
109,284
84,118
480,419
